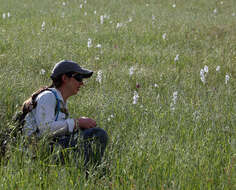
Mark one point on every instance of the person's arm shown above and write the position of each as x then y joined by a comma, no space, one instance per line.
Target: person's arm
45,116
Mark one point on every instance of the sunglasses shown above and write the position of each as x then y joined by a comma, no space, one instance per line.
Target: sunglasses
77,77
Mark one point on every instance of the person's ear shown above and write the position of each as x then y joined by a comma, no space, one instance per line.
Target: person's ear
64,78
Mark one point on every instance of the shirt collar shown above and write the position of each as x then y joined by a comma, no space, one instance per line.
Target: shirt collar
58,94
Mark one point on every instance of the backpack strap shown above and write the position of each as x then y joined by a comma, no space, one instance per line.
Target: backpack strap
58,103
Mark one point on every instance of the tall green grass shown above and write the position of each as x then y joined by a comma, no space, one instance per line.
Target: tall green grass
157,143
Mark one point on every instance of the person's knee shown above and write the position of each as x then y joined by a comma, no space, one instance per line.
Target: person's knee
97,133
102,134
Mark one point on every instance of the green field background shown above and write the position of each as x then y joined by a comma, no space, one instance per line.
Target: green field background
180,131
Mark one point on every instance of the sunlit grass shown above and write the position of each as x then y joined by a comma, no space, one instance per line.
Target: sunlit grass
179,133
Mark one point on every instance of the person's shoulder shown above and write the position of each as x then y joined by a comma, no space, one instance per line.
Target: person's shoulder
46,95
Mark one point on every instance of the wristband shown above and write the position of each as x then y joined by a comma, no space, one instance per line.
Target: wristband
76,124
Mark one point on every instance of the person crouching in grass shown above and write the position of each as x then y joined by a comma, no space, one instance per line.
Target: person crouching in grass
45,113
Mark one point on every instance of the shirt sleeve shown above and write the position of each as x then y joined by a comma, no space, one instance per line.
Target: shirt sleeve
45,115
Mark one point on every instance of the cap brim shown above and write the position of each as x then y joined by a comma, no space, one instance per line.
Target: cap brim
85,73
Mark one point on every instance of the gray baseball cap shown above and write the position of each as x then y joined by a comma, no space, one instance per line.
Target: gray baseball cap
66,66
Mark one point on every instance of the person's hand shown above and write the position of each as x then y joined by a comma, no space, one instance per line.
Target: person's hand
85,123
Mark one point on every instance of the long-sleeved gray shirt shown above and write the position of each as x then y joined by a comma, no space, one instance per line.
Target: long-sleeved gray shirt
43,117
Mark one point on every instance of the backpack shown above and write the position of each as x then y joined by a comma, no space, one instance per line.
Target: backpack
20,117
11,133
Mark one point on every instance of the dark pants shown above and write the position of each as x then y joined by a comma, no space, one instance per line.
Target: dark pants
92,142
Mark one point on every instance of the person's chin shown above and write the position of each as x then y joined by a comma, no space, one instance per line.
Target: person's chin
76,91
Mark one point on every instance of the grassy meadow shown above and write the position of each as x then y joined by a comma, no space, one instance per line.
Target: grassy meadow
163,88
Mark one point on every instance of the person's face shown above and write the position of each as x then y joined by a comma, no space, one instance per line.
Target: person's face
73,85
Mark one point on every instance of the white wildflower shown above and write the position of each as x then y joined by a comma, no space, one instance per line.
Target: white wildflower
43,26
99,46
174,5
42,72
202,76
215,11
155,85
8,15
176,58
63,3
97,58
174,100
89,43
81,6
153,17
202,73
95,12
3,15
227,78
110,117
131,71
101,19
205,69
135,97
99,76
218,68
175,96
85,1
118,25
130,19
221,2
196,115
164,36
